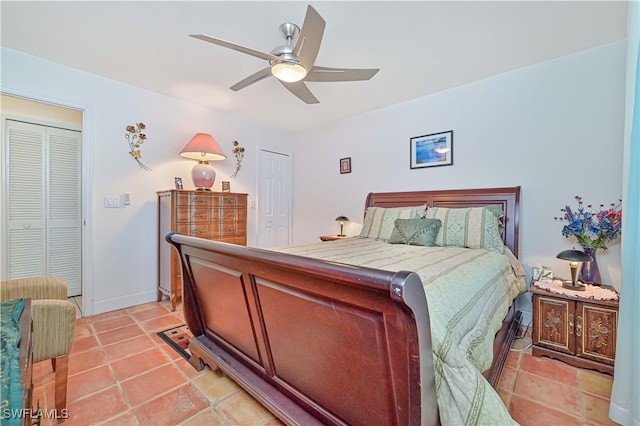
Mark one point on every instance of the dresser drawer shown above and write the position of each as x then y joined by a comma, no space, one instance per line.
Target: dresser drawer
202,199
229,214
232,200
204,230
222,230
192,214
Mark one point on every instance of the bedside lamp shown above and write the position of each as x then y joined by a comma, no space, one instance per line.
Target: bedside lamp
203,148
342,220
574,257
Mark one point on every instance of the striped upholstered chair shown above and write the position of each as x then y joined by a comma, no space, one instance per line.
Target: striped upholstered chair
54,324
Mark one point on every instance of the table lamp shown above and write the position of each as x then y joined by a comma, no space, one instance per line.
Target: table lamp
203,148
574,257
342,219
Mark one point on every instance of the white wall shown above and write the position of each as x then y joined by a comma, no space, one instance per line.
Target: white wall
556,129
122,244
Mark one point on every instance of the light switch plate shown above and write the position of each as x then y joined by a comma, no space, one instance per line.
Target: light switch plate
111,202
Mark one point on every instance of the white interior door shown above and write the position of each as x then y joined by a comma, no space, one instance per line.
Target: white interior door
274,199
44,203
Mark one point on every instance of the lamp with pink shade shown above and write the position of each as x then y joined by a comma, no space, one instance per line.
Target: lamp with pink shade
203,148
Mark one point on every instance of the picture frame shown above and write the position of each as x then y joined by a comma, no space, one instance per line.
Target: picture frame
345,165
226,186
432,150
542,273
178,183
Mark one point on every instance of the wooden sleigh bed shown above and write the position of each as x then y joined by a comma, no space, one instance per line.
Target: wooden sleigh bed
320,342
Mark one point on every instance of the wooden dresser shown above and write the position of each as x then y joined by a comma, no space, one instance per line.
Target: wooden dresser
219,216
577,330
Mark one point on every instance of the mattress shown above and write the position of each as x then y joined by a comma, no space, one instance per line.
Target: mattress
469,292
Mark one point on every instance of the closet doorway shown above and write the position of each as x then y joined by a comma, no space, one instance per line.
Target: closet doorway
274,199
42,191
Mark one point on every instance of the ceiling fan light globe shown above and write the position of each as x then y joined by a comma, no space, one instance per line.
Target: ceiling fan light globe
287,72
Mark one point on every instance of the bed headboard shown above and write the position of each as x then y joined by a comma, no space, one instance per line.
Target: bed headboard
507,198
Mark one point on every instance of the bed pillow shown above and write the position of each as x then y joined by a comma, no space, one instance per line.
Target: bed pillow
416,232
379,221
472,227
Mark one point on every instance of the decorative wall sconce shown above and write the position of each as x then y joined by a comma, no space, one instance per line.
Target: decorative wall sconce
135,138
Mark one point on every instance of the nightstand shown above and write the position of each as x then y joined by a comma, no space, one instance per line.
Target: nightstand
573,327
332,237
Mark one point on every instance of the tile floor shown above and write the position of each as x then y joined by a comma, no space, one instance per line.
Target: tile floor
121,373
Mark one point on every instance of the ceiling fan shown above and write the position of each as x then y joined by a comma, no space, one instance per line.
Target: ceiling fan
293,65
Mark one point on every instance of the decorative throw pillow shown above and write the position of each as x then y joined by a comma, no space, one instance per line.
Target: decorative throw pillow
472,227
378,221
416,232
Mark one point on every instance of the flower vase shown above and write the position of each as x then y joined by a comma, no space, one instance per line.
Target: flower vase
589,272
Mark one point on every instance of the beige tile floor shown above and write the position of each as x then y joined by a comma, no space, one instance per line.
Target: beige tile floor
121,373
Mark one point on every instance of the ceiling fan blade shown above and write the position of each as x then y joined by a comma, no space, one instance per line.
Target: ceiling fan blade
339,74
310,37
253,78
237,47
301,91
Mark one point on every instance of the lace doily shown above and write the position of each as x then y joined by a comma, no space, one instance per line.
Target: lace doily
590,291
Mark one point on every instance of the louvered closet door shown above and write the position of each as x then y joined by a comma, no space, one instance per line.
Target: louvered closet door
64,213
27,235
45,203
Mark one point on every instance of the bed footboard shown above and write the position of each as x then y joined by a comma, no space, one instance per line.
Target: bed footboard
315,342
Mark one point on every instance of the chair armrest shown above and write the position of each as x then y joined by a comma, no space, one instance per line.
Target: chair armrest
54,328
33,288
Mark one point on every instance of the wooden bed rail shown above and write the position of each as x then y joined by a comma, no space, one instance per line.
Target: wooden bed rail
315,342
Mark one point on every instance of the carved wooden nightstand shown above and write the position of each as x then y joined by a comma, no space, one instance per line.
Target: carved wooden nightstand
574,328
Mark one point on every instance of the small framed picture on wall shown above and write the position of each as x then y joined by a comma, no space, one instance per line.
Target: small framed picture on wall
179,183
432,150
345,165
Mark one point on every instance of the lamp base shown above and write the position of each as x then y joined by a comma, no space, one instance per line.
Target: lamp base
570,286
203,176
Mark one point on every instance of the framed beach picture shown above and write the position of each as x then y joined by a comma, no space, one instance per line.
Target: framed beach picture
432,150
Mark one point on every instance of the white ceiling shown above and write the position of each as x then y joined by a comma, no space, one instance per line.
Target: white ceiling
421,47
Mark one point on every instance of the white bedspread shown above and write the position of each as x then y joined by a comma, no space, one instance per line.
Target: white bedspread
469,292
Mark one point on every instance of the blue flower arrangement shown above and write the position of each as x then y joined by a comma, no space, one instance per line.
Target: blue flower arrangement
592,228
